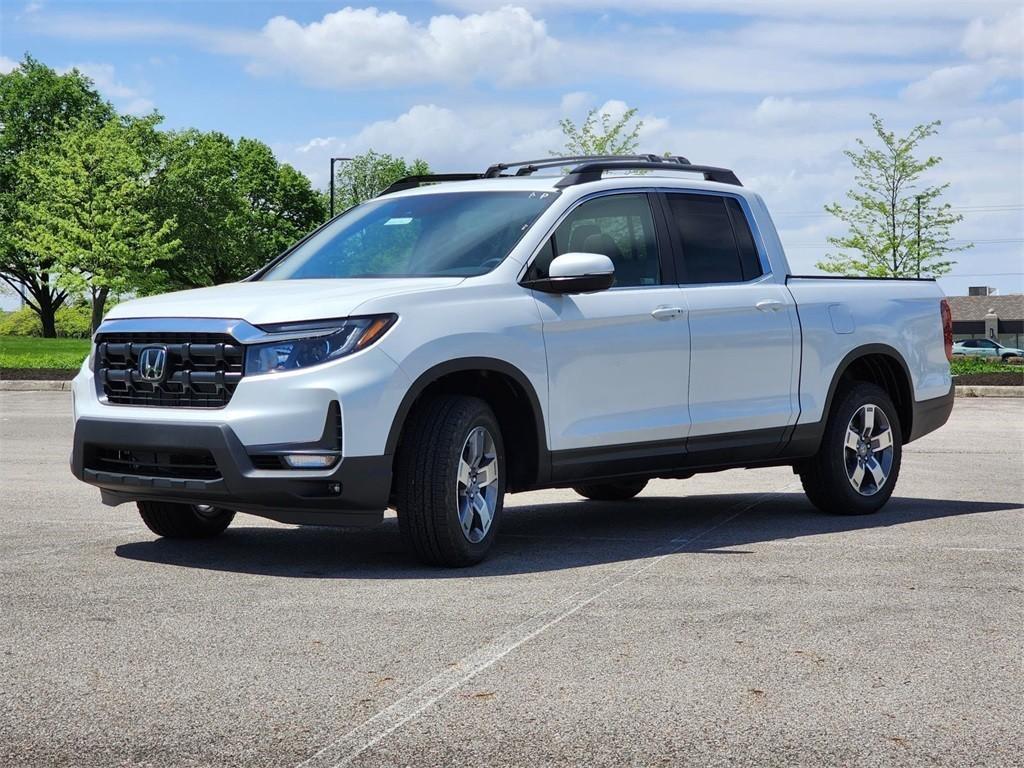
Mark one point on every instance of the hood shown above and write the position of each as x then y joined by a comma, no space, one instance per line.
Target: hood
277,301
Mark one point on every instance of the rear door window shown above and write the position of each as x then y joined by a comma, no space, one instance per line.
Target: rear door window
716,241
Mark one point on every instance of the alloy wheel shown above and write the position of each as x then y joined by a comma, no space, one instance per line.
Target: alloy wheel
868,450
477,494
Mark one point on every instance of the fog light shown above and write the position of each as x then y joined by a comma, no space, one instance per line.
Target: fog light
310,460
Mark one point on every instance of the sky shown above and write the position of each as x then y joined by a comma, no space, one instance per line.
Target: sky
774,89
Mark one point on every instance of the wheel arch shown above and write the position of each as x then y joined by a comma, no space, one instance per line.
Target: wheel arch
510,394
882,365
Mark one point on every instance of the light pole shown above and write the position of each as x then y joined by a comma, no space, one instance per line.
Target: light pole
918,198
333,161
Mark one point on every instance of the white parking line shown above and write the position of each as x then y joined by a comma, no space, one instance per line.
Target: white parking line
345,749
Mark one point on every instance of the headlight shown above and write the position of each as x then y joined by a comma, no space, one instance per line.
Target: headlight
300,345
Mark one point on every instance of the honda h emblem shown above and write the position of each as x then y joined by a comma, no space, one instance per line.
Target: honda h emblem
153,363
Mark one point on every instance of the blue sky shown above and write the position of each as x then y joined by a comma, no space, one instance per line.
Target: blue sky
775,89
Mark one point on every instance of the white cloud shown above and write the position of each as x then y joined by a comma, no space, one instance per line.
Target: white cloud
1001,38
781,111
355,48
126,98
961,81
802,9
316,142
6,65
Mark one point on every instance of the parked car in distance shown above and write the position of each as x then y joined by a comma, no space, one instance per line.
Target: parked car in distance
985,348
467,335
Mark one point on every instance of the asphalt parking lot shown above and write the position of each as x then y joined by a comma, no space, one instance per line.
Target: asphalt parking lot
715,621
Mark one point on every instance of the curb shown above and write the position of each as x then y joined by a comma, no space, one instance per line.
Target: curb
962,390
979,390
28,385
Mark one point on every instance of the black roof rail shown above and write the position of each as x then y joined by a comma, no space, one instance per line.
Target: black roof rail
411,182
526,167
592,170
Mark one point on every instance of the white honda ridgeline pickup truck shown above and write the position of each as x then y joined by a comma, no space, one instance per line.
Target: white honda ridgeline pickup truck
446,343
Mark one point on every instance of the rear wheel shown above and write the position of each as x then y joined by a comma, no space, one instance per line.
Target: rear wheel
618,490
450,481
858,463
184,521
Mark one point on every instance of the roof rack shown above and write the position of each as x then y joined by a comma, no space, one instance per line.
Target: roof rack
527,167
592,170
586,168
411,182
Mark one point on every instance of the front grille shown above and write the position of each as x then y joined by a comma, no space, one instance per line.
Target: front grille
202,370
184,465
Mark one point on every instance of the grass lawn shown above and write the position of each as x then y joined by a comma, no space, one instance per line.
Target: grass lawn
32,352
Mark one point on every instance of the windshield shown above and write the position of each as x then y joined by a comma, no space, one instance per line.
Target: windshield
457,234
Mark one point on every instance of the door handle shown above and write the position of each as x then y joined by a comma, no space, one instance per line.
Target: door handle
769,305
666,313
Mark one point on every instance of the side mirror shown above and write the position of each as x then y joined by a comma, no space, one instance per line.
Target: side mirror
576,273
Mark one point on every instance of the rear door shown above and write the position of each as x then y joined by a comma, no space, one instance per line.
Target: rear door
743,327
617,359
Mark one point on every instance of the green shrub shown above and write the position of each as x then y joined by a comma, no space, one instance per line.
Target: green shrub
21,322
74,322
963,365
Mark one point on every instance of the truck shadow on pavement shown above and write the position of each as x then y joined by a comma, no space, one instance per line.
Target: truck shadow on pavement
548,537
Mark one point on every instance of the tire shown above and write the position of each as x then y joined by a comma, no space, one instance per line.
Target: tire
1006,358
617,490
184,521
830,477
442,496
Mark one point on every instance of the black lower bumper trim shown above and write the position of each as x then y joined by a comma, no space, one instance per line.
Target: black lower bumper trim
929,415
355,493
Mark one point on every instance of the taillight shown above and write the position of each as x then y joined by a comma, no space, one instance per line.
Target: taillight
947,328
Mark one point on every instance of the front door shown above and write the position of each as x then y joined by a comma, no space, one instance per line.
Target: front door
617,359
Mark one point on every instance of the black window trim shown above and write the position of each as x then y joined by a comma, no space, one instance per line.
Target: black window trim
665,243
755,233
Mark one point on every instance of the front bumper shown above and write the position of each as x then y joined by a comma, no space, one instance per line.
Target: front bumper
353,493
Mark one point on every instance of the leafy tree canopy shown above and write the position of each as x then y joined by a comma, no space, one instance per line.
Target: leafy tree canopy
898,226
85,209
601,134
37,106
367,175
234,207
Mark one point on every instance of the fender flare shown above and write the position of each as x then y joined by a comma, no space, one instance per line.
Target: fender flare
863,351
461,364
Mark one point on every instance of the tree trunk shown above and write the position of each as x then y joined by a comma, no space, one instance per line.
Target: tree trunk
47,313
99,303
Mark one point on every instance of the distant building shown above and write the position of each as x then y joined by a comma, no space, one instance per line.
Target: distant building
989,316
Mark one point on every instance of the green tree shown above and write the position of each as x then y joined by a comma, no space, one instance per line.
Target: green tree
601,134
367,175
234,207
897,226
86,209
36,107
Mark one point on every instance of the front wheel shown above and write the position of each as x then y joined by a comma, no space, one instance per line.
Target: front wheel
184,521
450,481
858,462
